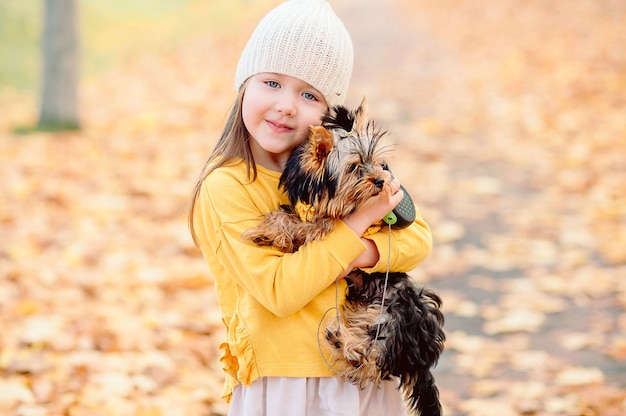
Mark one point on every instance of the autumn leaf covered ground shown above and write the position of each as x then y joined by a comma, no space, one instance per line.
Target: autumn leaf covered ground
510,127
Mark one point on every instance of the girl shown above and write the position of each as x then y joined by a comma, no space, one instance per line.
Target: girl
296,64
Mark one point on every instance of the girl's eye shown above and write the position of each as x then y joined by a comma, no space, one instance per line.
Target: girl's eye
309,96
272,84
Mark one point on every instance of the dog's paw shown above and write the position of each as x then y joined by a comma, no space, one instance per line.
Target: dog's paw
333,338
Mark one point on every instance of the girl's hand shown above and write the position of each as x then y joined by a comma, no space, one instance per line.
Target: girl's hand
369,213
375,208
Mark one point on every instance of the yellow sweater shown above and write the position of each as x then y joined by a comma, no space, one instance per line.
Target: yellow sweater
271,302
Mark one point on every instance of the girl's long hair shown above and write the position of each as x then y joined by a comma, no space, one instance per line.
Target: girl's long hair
233,146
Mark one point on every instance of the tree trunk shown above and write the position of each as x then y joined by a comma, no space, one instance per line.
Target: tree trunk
60,74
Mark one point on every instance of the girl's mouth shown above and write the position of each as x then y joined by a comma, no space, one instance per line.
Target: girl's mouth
279,127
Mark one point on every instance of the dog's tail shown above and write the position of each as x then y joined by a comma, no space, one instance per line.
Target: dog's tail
422,394
423,398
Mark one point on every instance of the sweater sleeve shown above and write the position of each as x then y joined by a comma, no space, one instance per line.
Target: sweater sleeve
405,249
282,283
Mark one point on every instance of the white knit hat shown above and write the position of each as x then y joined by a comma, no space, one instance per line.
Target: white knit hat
304,39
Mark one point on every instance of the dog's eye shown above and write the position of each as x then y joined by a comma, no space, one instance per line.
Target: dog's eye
356,169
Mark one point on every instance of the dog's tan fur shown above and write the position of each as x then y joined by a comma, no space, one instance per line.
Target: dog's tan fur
347,352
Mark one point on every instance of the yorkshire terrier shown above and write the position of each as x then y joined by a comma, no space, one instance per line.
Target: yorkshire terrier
388,327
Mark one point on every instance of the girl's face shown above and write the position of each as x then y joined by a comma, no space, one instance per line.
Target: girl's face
277,111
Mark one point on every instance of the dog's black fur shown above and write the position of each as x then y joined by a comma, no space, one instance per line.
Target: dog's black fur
410,338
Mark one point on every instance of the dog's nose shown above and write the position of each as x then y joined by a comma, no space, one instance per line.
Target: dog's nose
379,182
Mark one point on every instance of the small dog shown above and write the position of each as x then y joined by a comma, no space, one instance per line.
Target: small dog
387,327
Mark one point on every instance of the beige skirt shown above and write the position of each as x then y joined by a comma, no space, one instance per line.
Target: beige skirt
324,396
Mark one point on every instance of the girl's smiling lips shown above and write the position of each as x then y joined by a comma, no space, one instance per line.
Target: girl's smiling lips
279,127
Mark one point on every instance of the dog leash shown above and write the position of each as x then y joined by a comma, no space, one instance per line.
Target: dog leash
337,314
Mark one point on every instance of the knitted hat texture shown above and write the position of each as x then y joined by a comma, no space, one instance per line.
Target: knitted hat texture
304,39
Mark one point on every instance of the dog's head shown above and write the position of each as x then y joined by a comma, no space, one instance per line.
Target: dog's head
340,165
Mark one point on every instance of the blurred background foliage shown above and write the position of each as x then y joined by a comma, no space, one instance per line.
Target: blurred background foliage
110,32
510,125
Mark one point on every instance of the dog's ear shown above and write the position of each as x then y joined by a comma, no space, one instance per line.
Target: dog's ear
339,117
321,143
360,116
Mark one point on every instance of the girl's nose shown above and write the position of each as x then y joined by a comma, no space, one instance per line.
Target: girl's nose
286,105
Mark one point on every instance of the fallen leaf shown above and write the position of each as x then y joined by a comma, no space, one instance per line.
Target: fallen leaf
517,320
579,376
